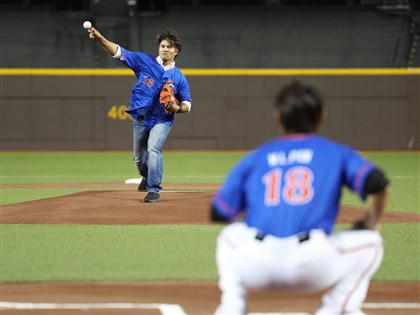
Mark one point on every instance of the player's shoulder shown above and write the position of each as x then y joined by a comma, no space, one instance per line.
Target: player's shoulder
314,141
328,142
329,145
134,53
334,150
147,57
178,72
138,54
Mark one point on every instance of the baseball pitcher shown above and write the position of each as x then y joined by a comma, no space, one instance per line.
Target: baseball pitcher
288,192
161,91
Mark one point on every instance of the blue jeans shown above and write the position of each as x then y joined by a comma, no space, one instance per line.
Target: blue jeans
148,158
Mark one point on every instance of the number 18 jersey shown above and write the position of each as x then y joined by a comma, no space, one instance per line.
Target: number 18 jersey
292,184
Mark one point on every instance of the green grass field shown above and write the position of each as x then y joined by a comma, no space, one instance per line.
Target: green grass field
160,252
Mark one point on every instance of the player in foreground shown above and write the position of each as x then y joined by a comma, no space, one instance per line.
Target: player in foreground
160,92
288,191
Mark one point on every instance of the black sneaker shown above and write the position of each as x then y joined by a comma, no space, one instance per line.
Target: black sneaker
152,197
143,184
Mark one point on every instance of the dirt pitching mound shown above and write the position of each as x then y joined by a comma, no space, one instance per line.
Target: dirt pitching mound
127,207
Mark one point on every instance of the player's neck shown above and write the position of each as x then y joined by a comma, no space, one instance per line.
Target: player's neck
298,135
293,133
167,64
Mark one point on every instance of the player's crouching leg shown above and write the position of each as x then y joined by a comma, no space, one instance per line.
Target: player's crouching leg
360,255
233,298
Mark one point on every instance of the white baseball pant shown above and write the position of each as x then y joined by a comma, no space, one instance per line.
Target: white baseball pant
344,261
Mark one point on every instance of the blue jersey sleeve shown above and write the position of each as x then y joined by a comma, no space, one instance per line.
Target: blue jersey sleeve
131,59
184,90
356,170
230,199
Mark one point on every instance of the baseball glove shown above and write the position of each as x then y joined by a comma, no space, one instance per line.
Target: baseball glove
167,98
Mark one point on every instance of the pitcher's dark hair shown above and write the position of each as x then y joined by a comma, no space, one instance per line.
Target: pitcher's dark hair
171,36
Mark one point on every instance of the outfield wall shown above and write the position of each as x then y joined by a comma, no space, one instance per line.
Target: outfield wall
232,109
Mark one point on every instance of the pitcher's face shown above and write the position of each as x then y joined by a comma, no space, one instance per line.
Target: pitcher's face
167,52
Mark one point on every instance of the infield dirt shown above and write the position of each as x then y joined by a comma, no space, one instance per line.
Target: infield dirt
121,206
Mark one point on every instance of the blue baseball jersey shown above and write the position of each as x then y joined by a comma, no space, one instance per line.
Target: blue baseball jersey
151,77
292,184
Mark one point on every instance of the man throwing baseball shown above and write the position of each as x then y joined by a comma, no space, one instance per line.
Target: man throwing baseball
288,191
160,92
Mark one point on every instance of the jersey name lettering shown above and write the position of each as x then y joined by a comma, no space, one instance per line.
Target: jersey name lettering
301,156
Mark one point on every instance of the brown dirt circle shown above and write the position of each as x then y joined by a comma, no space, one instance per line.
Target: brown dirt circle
112,206
127,207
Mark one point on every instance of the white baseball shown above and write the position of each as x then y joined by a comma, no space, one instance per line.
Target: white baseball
87,25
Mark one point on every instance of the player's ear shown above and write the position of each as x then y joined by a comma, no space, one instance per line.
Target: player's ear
277,119
322,117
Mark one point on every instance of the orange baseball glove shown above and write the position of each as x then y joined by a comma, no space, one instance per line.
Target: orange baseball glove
167,98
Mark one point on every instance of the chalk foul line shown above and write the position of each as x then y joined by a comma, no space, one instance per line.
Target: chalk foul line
165,309
392,305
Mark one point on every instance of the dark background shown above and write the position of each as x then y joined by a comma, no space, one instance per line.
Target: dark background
216,33
229,112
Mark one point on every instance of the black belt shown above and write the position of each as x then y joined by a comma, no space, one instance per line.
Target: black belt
303,237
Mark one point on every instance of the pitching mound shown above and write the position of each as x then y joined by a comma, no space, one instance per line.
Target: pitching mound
127,207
